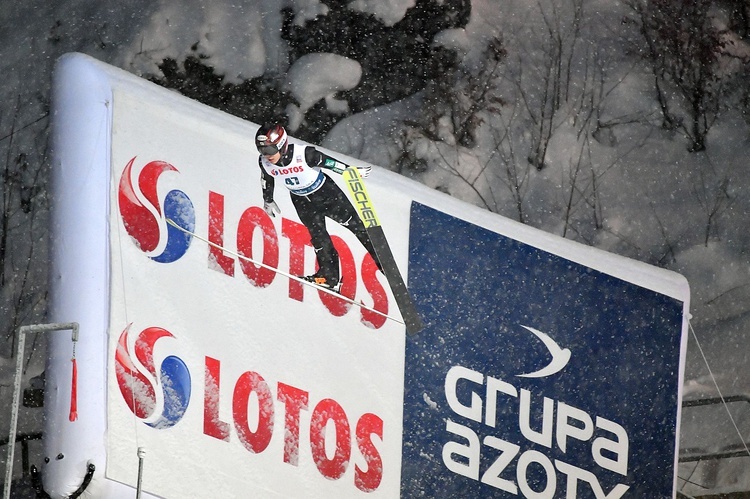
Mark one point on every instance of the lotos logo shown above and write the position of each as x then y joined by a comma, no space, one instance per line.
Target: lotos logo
138,390
147,224
287,171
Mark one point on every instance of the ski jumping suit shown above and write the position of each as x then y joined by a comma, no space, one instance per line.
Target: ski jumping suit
315,197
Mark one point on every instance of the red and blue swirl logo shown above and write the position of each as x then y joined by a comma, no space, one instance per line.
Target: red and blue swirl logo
139,389
145,221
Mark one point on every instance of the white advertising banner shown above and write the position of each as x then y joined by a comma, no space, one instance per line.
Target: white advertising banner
219,360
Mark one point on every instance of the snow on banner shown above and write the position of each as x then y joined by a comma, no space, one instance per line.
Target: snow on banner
544,369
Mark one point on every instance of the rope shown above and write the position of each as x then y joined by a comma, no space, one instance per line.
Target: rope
127,321
716,384
115,202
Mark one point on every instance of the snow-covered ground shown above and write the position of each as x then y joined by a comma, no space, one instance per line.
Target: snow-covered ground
654,200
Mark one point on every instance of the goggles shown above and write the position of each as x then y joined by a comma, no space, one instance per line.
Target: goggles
268,150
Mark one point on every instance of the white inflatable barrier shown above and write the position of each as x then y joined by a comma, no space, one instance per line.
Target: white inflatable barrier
545,367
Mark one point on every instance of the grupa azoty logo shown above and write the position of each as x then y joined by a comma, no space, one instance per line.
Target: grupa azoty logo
145,216
559,356
139,389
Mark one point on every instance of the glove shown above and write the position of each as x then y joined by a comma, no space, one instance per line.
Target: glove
271,208
364,171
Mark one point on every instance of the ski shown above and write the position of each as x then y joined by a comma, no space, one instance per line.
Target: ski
285,274
364,206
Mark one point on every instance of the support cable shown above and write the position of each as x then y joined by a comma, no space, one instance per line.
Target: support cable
721,396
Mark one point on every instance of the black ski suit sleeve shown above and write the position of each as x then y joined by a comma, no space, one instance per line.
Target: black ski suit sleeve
317,159
267,183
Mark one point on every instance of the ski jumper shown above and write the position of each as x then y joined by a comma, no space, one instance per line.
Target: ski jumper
315,197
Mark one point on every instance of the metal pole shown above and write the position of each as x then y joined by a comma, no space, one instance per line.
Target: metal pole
35,328
141,455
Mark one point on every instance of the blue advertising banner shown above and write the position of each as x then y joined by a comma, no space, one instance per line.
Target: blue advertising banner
535,376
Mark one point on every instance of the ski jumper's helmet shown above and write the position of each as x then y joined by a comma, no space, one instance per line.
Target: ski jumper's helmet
271,139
